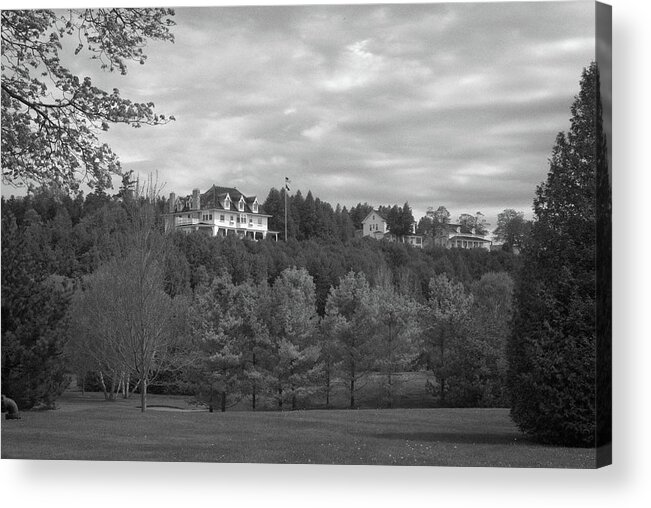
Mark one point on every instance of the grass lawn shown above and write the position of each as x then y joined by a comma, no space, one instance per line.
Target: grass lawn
87,427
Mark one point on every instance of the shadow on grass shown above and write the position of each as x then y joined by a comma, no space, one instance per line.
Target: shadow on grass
499,438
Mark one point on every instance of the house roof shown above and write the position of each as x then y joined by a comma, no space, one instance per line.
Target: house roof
452,228
214,197
474,238
375,212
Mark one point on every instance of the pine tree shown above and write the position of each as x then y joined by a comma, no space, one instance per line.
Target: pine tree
552,351
347,311
443,323
34,329
293,322
394,324
215,324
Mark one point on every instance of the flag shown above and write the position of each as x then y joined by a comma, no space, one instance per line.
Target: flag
287,182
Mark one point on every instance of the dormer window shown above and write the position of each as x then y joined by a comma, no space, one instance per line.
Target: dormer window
255,206
227,202
240,205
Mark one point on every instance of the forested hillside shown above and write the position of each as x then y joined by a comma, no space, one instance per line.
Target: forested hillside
54,245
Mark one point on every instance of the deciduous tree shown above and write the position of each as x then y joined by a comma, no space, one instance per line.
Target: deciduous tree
480,377
512,228
123,309
51,117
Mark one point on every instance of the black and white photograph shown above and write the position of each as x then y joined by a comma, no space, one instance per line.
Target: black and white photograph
342,235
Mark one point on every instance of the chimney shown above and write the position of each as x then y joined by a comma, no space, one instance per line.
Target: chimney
172,203
196,200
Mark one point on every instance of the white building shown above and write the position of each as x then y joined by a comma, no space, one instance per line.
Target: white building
220,211
375,226
457,236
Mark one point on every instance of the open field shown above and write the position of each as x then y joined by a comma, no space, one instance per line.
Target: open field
87,427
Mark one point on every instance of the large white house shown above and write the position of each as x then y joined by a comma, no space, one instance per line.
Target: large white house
220,211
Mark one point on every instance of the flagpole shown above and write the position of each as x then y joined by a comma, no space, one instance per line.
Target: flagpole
286,191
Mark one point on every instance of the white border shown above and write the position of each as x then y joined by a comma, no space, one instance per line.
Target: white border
71,484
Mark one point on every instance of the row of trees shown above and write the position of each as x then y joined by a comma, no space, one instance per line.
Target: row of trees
62,243
310,218
267,341
53,243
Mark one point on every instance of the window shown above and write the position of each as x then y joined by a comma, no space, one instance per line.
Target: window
259,221
221,217
227,203
255,206
232,218
210,217
243,219
240,205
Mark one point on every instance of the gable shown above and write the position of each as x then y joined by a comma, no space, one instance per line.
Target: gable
374,216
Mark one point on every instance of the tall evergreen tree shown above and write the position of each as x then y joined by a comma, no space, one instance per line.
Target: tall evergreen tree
309,217
34,306
293,322
348,312
443,323
216,329
274,205
394,324
552,351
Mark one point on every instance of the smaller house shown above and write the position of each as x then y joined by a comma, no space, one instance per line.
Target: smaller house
458,236
375,225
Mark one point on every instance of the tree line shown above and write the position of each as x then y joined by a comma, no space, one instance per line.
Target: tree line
71,246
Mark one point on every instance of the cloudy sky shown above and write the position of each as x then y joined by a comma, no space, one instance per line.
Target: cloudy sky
434,104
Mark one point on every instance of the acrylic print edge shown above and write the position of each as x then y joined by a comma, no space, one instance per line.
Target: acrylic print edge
603,52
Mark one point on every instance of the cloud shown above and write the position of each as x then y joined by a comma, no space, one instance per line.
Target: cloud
435,104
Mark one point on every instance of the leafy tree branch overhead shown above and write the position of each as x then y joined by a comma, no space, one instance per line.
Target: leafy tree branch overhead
51,117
